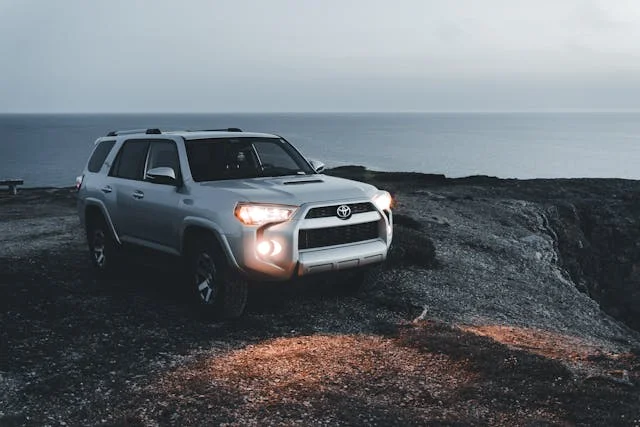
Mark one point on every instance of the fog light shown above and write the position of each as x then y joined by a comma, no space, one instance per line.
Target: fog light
264,248
268,248
277,248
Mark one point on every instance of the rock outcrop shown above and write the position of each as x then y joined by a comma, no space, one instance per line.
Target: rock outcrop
582,232
598,232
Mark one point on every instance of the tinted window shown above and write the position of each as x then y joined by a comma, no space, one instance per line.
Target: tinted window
99,155
215,159
221,159
131,159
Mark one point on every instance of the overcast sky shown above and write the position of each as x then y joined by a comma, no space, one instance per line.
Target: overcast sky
322,55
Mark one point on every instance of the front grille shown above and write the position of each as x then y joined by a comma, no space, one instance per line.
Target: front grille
329,211
321,237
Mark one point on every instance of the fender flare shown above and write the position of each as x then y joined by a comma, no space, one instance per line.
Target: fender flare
89,202
212,227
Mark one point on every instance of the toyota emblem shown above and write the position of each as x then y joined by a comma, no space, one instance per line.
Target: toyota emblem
343,212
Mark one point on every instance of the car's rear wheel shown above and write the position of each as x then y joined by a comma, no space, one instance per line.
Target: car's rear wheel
216,290
103,249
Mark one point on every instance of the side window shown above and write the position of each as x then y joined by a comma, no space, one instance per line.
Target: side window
130,161
164,154
99,155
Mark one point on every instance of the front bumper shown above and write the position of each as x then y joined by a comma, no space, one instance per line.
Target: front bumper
342,258
291,262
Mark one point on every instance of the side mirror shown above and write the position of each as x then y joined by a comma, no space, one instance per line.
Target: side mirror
162,175
317,165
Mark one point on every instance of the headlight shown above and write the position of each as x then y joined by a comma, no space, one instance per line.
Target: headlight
255,214
382,200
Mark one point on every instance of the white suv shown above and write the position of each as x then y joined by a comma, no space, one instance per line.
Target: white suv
236,206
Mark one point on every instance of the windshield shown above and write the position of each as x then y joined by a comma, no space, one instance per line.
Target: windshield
236,158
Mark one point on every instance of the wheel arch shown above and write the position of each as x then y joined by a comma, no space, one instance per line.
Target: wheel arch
196,228
95,208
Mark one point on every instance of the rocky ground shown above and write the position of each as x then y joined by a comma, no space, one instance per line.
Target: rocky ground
488,312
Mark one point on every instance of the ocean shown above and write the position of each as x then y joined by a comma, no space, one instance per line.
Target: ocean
51,150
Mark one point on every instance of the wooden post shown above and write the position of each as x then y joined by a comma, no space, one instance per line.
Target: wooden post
13,189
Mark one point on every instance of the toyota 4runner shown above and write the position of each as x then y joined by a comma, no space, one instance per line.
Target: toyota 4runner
235,206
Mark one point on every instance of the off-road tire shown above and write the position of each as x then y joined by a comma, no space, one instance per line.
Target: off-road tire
103,248
216,290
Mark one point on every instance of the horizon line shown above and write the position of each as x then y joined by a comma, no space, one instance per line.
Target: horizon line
550,111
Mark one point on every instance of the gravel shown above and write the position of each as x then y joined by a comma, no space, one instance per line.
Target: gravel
471,322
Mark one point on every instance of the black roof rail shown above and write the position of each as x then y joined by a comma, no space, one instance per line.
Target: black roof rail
216,130
150,131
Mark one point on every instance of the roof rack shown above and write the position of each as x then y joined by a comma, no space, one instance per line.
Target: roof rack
216,130
150,131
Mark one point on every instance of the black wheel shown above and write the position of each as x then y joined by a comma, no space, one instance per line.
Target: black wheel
217,291
103,249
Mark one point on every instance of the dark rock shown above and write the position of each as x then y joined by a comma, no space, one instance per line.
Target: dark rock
360,173
411,247
598,243
406,221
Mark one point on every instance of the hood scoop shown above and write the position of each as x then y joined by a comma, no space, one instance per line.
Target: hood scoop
303,181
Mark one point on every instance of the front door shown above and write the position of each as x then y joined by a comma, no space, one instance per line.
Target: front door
159,203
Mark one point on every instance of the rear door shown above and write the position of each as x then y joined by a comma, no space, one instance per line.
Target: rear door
96,183
126,178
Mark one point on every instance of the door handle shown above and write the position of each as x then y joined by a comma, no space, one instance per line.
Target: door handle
106,189
138,194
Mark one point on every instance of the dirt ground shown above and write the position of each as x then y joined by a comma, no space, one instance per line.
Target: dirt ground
405,351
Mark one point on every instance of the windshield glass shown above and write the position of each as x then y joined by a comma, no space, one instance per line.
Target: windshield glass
236,158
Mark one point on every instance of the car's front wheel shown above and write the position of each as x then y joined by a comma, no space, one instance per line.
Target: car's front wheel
215,288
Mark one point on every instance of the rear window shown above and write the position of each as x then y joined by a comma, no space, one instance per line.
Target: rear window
100,155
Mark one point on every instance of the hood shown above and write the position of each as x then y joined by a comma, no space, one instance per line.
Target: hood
295,190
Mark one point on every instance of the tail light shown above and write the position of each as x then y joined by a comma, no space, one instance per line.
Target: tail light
79,180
